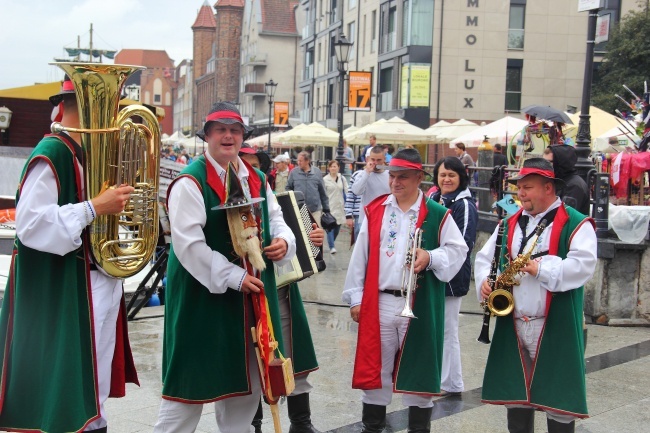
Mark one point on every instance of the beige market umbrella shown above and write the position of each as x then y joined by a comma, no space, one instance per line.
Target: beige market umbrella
396,131
263,140
438,127
314,134
455,130
499,131
359,136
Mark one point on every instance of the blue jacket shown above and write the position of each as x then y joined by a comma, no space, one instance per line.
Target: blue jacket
463,210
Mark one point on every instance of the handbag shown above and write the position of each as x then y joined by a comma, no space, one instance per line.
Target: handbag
327,221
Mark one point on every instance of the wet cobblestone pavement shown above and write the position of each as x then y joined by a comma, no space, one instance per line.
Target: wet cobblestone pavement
618,382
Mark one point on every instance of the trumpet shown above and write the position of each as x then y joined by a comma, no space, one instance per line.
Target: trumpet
409,277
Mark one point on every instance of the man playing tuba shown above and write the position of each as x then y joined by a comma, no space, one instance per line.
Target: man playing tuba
63,335
373,289
536,359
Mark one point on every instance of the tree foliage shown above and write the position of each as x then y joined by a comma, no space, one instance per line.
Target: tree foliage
627,61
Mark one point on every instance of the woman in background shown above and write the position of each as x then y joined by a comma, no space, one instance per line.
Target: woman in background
336,188
451,178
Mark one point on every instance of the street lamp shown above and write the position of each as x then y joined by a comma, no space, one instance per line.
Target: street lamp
342,49
270,92
583,139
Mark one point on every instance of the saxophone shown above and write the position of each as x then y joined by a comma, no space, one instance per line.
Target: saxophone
501,302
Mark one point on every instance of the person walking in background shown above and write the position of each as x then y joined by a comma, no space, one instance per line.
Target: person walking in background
372,181
499,158
352,206
372,142
388,152
279,176
450,176
348,159
308,179
336,187
464,157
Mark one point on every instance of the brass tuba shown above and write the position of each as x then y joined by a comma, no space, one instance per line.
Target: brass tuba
117,151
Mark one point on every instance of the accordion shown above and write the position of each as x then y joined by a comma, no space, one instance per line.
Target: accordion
309,258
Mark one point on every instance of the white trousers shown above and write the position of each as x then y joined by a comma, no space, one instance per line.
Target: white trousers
302,385
528,332
233,415
107,295
392,329
452,371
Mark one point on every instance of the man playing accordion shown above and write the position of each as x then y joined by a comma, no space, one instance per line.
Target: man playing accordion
395,353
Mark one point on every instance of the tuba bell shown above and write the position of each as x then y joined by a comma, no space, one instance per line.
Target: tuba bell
117,151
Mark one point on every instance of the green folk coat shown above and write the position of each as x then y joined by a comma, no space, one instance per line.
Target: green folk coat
206,335
557,379
49,378
419,362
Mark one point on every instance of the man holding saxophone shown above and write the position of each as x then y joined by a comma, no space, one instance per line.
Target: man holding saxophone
536,359
373,289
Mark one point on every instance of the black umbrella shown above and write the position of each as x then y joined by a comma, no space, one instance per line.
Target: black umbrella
547,112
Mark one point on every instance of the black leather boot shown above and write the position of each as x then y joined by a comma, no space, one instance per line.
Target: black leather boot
419,419
98,430
373,418
300,414
257,419
560,427
521,420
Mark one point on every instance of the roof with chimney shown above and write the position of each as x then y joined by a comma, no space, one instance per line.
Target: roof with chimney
148,58
205,17
278,16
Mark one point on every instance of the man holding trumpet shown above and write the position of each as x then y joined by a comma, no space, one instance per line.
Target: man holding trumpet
395,353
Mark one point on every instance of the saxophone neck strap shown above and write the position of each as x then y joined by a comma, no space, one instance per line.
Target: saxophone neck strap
523,223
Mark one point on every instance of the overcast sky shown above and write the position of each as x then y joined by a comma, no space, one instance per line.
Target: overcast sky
34,32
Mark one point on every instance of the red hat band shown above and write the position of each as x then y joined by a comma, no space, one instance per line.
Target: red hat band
218,115
529,170
395,162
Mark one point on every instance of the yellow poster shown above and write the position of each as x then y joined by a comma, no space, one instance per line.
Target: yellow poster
359,91
281,114
404,87
420,87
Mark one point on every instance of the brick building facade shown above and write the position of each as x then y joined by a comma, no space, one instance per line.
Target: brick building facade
217,42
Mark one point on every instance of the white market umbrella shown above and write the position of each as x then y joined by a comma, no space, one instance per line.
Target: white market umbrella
172,139
359,136
263,140
438,128
397,131
314,134
455,130
499,131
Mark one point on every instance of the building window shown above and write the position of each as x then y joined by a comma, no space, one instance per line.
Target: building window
513,85
352,4
388,32
157,91
516,24
417,17
333,12
373,32
352,30
386,89
309,65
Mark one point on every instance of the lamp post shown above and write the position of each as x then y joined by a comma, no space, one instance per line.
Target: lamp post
270,92
583,139
342,49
